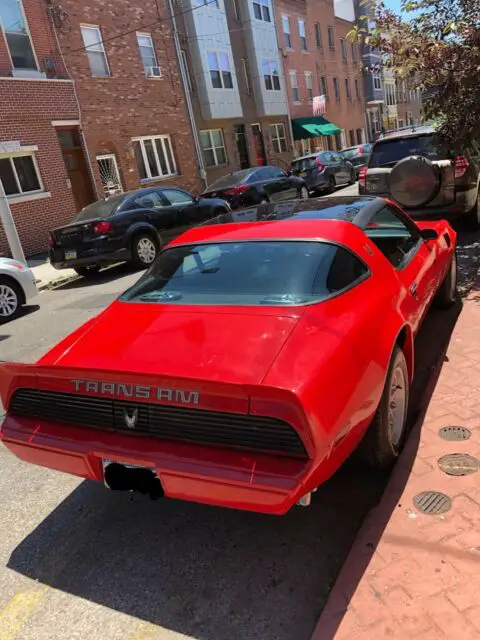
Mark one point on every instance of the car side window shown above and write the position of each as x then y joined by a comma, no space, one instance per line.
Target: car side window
150,200
339,270
264,174
336,157
254,176
327,157
176,196
276,173
397,240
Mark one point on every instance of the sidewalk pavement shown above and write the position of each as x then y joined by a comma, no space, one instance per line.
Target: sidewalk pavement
412,575
45,275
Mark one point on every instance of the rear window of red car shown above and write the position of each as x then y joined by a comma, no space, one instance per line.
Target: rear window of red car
248,273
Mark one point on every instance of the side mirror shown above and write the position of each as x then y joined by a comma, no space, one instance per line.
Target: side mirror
429,234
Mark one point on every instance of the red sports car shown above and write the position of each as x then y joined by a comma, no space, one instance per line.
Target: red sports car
247,363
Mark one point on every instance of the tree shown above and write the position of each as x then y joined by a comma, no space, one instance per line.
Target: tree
435,44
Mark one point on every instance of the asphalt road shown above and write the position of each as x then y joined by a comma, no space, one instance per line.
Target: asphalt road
77,561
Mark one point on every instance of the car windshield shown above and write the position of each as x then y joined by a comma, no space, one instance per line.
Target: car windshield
99,209
392,150
263,273
303,163
230,179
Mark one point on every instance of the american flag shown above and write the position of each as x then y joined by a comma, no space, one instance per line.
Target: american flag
319,105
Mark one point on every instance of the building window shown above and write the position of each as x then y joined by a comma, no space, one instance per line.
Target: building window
306,145
331,38
92,39
336,89
209,3
294,85
286,32
324,85
220,71
377,83
147,53
401,123
245,76
318,36
186,69
261,10
270,75
213,147
343,49
309,85
154,157
357,89
359,136
279,140
354,51
303,35
347,89
19,175
17,35
351,133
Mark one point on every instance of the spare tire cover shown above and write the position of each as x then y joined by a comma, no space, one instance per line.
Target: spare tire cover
414,181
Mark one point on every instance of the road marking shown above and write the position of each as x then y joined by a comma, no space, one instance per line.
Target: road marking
16,612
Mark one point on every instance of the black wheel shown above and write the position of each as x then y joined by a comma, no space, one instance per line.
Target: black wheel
447,294
11,299
263,200
385,436
353,177
472,219
144,250
331,185
89,271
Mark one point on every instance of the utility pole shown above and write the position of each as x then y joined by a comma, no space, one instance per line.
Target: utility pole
10,229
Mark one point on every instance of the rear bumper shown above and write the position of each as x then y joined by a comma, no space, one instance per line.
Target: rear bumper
462,205
57,258
239,480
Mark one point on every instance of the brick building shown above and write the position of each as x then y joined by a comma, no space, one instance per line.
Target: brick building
320,60
36,98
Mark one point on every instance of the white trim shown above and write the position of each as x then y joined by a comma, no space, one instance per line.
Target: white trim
144,34
23,151
163,140
213,148
88,49
65,123
28,197
27,28
36,79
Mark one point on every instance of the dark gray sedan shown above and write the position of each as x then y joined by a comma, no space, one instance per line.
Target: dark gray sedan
323,171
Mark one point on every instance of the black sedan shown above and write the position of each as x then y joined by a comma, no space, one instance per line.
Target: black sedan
256,186
358,155
129,227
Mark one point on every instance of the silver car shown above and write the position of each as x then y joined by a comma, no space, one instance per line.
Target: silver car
17,286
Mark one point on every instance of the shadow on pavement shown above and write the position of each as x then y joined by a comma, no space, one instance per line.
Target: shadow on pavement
105,275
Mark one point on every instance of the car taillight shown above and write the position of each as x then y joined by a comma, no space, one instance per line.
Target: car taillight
319,165
461,166
362,176
102,227
234,191
360,149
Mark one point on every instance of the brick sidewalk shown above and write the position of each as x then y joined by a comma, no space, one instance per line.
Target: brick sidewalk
411,575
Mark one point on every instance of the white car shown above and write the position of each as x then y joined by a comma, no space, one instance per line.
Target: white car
17,286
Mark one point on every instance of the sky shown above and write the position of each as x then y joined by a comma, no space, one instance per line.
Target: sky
393,4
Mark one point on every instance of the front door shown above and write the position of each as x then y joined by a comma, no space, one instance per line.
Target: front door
259,145
76,165
242,148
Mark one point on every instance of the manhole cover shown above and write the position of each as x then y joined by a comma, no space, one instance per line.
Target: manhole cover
455,433
432,502
458,464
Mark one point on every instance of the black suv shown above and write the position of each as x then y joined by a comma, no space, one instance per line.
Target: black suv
410,167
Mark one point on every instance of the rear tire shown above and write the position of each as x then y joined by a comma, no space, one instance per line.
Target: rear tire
472,219
88,272
11,299
144,250
447,294
353,177
331,185
385,437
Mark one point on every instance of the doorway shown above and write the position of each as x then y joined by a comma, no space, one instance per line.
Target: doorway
77,169
242,147
259,145
108,169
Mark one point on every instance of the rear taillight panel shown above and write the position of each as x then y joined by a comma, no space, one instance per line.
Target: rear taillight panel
102,228
319,165
235,191
461,166
362,176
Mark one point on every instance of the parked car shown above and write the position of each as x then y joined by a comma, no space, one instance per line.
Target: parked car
129,227
247,363
253,186
411,167
358,155
323,171
17,287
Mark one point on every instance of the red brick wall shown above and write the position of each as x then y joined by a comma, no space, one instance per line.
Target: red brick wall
27,109
127,104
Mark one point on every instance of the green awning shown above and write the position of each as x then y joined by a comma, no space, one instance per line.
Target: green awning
313,128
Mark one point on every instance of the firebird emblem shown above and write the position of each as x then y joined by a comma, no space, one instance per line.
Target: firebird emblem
130,417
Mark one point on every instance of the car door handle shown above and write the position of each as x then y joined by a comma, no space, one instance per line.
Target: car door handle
413,289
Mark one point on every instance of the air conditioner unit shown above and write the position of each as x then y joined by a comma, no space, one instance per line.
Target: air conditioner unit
153,72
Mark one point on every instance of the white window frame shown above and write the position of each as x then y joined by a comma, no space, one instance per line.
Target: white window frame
309,86
377,82
302,32
164,139
95,27
213,148
220,70
246,76
306,144
149,36
277,138
272,75
294,86
262,4
23,194
28,33
287,33
186,68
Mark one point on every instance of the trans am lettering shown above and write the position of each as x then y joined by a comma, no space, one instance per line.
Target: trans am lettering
136,391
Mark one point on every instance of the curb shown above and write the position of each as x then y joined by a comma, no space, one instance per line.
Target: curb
52,284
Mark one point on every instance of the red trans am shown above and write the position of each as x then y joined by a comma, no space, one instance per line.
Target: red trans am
249,361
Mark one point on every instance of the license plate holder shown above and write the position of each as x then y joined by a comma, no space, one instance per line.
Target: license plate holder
70,254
